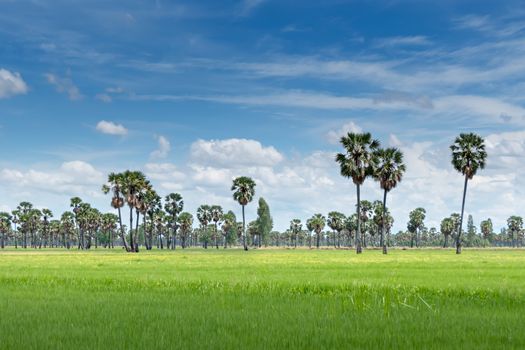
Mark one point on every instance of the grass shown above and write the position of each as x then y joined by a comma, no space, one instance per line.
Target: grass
262,299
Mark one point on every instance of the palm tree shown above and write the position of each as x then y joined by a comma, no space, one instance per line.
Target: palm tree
447,227
515,228
229,226
416,223
204,216
468,156
185,222
296,226
318,222
487,229
5,227
357,163
114,185
173,206
388,171
243,192
47,215
336,221
67,228
216,216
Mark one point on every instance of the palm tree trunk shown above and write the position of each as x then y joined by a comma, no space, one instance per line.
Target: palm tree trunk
131,241
458,240
137,232
359,249
318,239
383,243
446,242
122,233
244,230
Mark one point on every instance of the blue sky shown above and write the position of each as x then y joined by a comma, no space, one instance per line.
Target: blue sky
194,93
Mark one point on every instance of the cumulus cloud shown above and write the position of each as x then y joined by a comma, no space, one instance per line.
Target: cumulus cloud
11,83
234,153
111,128
72,178
334,136
164,148
64,85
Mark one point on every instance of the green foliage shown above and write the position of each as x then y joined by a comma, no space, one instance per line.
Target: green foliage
264,221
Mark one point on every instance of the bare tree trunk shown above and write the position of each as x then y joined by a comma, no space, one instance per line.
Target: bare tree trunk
458,239
359,249
383,243
244,230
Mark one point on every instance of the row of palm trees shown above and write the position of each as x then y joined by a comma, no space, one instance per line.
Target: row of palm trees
362,158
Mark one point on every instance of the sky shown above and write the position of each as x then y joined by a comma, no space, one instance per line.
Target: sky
196,93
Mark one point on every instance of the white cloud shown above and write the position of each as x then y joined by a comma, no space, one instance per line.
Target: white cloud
11,83
164,148
333,136
111,128
416,40
103,97
64,85
234,153
72,178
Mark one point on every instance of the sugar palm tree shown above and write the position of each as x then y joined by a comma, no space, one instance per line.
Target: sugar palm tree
173,205
243,192
487,229
357,163
388,171
317,223
185,223
416,223
447,227
115,183
295,227
216,216
468,156
336,221
515,227
204,215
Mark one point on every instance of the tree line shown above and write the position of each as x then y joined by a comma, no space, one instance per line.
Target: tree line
152,220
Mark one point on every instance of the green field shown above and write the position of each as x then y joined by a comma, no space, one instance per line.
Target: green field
262,299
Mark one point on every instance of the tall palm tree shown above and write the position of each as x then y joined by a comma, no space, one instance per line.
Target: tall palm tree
388,171
296,226
173,205
447,227
515,227
46,221
318,222
204,215
216,216
228,227
185,223
336,221
357,163
416,223
115,183
468,156
243,192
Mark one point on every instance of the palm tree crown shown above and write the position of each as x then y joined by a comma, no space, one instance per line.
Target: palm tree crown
388,167
468,154
243,190
357,162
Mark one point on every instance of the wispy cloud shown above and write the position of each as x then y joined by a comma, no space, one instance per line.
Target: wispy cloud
246,7
164,147
64,85
417,40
